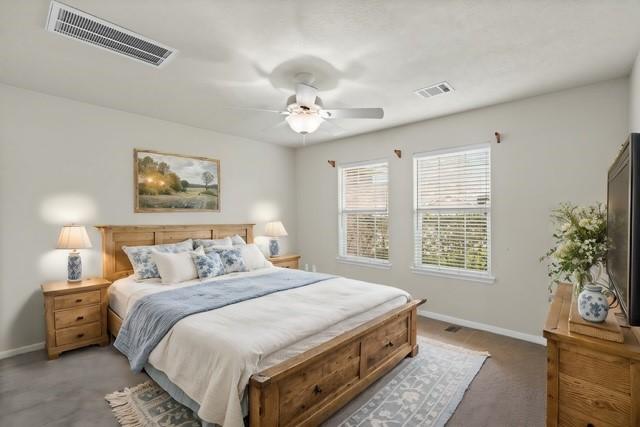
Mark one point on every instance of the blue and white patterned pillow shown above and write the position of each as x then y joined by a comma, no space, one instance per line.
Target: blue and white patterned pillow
209,265
142,263
231,258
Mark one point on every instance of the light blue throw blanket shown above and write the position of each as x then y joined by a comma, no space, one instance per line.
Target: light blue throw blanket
152,316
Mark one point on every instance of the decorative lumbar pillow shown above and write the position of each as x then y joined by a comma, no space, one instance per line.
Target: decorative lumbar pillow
226,242
175,268
253,257
207,265
237,240
231,258
140,257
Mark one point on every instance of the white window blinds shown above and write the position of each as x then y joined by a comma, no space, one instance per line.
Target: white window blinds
453,210
364,212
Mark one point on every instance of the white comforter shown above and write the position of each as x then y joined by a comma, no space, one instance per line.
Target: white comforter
212,355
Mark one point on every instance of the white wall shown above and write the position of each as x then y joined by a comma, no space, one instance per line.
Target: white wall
555,148
634,97
64,161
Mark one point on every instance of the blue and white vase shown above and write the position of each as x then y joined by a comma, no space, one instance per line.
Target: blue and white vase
74,267
593,305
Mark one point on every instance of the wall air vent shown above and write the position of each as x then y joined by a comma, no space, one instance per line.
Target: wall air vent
81,26
437,89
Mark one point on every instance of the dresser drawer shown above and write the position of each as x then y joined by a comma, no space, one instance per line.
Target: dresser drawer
76,334
600,403
572,418
77,316
76,300
380,344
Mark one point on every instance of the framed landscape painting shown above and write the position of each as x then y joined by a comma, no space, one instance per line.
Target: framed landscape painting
175,183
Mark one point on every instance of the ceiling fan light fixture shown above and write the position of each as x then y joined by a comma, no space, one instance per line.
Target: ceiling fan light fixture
304,123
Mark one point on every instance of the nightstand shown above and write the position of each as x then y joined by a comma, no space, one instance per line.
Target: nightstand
75,314
285,261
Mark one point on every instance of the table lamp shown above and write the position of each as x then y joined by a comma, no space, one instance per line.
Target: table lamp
274,229
74,237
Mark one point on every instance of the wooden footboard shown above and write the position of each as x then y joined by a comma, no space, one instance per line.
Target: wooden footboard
307,389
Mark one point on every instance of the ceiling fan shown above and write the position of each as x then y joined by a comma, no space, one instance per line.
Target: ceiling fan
305,112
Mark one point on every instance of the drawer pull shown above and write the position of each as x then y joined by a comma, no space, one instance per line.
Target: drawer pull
317,390
79,300
389,344
80,335
79,317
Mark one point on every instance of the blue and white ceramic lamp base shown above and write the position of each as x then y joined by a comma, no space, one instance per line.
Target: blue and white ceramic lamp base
274,247
74,267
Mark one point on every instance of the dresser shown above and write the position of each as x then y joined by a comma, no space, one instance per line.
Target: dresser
590,382
285,261
75,314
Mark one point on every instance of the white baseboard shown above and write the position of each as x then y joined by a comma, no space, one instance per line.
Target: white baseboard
16,351
484,327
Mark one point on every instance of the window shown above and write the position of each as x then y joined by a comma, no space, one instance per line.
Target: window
364,213
452,212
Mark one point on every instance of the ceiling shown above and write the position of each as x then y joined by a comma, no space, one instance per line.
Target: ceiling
245,53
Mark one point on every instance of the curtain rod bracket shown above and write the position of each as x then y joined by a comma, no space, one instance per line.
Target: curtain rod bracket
498,136
332,163
398,153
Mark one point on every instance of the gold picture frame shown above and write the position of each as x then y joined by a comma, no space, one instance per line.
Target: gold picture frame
168,182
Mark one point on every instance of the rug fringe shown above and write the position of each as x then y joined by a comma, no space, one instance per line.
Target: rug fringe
123,407
455,347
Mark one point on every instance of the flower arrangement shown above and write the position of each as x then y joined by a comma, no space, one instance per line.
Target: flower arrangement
581,243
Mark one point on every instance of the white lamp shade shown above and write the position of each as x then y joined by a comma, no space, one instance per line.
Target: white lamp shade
275,229
73,237
304,123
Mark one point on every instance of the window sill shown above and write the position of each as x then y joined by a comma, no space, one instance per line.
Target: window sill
384,265
486,279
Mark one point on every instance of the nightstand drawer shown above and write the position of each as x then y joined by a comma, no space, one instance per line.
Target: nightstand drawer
76,300
76,334
288,264
77,316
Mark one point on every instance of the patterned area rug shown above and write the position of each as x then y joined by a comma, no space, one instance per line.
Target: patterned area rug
423,391
147,405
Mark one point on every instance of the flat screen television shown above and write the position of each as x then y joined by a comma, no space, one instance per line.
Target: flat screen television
623,228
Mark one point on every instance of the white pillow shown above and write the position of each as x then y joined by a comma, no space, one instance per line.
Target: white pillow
226,242
253,257
176,268
237,240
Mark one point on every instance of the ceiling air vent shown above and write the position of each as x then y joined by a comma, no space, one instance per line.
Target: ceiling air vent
81,26
437,89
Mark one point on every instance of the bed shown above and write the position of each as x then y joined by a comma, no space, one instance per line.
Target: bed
300,372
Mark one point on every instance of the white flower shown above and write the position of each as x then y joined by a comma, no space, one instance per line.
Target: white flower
561,249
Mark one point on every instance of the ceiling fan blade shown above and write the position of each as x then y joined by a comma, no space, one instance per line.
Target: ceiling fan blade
305,95
353,113
261,110
280,125
332,128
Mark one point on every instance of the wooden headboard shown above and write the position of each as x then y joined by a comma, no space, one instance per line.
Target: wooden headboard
115,263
